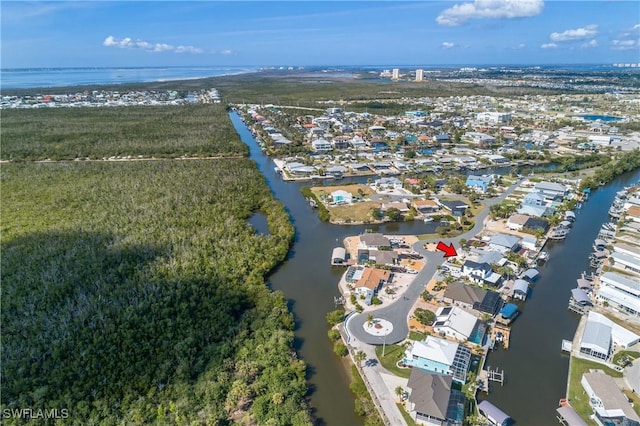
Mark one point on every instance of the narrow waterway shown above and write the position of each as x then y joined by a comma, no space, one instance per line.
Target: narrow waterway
535,369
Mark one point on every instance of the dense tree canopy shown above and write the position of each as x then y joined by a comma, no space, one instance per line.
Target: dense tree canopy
134,293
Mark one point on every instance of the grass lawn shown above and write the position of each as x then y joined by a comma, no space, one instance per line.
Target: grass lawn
358,212
577,396
407,417
353,189
635,398
417,336
621,354
393,354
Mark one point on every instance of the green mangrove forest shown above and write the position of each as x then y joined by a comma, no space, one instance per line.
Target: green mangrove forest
134,292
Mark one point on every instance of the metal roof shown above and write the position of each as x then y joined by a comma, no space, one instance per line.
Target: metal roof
580,296
571,418
521,286
492,412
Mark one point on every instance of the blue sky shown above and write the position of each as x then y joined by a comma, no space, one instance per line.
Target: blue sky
304,33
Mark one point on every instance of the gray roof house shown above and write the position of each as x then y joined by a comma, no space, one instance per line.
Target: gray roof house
596,341
374,240
504,242
609,404
551,189
432,401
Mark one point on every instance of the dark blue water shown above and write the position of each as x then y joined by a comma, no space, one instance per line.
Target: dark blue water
600,117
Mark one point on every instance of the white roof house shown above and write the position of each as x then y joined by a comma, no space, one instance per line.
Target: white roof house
619,335
620,291
596,340
454,322
342,197
321,145
609,404
440,356
551,189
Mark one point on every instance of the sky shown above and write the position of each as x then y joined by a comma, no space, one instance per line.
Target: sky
306,33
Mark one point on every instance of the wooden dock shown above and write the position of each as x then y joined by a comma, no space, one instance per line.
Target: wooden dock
500,334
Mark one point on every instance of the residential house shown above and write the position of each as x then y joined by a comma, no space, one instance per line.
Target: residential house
454,323
342,197
477,272
516,221
504,243
321,146
456,208
373,240
472,297
439,356
620,291
551,190
387,183
425,206
402,207
596,340
520,289
610,405
433,401
479,138
371,281
382,257
479,184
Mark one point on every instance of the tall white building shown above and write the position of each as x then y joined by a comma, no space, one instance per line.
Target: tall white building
395,75
419,75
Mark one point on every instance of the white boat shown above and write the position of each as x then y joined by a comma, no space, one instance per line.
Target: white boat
427,219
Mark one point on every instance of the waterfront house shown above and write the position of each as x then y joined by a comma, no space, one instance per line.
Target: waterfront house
610,405
374,240
596,340
439,356
537,224
476,272
402,207
516,221
387,183
425,206
342,197
529,242
621,292
433,401
479,184
534,199
381,257
520,289
551,190
504,243
496,416
371,281
456,208
454,323
472,297
625,262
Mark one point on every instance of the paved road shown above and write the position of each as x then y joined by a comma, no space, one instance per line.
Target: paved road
397,312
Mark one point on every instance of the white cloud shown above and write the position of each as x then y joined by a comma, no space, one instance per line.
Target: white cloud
549,46
578,34
127,42
592,43
625,44
520,46
447,45
227,52
489,9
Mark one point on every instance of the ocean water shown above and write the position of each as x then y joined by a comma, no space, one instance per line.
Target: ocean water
25,78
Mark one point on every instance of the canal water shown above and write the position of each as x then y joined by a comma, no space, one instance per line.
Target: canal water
535,369
309,284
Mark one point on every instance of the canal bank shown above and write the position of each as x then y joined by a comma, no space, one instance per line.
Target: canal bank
536,370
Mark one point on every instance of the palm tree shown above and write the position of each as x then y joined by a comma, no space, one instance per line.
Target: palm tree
359,357
399,392
370,320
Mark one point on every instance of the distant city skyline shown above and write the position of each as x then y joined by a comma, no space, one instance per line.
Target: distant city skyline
314,33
